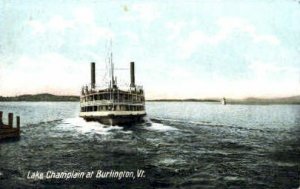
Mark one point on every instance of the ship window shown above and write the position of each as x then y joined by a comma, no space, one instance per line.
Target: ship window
105,97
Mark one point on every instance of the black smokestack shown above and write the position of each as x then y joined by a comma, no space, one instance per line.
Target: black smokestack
93,73
132,80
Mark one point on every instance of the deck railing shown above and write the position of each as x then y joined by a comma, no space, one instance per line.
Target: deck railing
109,102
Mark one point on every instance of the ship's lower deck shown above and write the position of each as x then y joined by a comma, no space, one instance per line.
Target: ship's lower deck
115,117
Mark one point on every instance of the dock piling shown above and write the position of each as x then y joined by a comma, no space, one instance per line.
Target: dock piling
10,120
18,122
1,114
7,131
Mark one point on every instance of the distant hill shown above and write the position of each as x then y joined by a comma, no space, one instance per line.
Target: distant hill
40,97
184,100
286,100
51,97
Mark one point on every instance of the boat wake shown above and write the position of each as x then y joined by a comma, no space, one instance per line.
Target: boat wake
160,127
84,127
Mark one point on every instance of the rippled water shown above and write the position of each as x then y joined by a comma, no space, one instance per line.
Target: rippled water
182,145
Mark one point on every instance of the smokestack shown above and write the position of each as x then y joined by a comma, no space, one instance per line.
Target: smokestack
132,79
93,74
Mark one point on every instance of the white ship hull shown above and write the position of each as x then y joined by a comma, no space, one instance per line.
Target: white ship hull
115,117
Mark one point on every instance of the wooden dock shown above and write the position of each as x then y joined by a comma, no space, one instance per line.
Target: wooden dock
8,131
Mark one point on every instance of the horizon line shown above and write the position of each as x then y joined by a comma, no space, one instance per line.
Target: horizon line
153,99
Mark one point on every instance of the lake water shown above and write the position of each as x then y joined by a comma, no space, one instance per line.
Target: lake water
182,145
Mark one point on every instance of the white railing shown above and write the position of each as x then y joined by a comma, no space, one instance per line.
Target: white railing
87,88
107,102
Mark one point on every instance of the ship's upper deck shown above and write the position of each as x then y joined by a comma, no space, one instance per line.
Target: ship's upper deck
99,96
110,97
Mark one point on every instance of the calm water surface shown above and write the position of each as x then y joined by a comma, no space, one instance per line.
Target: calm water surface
182,145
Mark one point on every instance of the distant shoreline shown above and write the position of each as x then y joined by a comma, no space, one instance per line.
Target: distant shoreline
46,97
247,101
183,100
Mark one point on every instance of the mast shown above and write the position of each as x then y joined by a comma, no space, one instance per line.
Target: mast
111,65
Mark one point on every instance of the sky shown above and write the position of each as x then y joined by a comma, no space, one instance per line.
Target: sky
182,49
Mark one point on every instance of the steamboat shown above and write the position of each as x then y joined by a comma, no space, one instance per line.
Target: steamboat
111,105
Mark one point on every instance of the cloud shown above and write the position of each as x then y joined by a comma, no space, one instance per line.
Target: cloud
227,27
133,37
147,12
84,15
262,69
93,33
82,23
49,72
144,12
55,24
37,26
175,28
